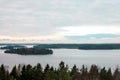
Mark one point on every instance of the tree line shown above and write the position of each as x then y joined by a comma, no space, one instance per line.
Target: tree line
30,51
28,72
81,46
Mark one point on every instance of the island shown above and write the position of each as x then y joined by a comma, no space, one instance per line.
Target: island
30,51
99,46
12,47
81,46
87,46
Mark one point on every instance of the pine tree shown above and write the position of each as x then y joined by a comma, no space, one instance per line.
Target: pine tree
84,73
74,70
63,72
103,74
27,72
116,74
14,73
3,73
37,72
109,74
93,73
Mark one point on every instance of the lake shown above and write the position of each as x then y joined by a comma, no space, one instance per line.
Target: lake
107,58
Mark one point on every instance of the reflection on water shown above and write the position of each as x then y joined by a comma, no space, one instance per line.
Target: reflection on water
107,58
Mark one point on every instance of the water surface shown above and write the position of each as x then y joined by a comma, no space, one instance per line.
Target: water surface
107,58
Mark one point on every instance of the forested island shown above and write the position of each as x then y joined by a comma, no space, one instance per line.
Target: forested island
29,51
81,46
67,46
12,47
99,46
28,72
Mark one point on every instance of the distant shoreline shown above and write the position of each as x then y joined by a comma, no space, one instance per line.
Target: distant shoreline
97,46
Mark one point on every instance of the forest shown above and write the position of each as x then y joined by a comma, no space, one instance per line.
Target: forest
63,72
81,46
100,46
29,51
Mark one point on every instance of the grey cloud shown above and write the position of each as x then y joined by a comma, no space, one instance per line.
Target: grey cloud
45,17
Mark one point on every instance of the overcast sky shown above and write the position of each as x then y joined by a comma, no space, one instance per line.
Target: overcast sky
61,21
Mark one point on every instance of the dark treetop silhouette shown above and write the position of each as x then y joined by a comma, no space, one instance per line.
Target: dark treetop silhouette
30,51
28,72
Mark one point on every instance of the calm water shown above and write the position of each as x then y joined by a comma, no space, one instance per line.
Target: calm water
107,58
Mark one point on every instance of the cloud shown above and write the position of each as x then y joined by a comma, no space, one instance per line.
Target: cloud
35,18
85,30
93,36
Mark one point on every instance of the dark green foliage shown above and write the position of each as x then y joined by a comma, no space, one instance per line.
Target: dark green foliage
30,51
7,75
49,73
4,74
80,46
12,47
74,73
38,73
61,73
106,75
116,75
93,73
109,74
103,74
27,73
84,73
99,46
14,73
74,70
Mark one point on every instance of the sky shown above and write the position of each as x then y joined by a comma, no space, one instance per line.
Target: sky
59,21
